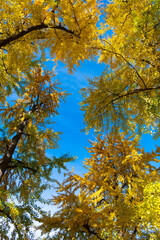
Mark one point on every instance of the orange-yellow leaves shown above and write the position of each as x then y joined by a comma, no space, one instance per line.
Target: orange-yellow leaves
112,197
126,95
39,100
70,29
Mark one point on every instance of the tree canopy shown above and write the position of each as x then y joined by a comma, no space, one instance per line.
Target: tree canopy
118,198
29,28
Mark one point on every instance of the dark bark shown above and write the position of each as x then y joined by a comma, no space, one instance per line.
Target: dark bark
22,165
5,161
92,232
41,26
7,158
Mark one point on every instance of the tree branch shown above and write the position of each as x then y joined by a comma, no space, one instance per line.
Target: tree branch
120,55
41,26
23,165
132,67
86,226
7,158
4,163
11,219
130,93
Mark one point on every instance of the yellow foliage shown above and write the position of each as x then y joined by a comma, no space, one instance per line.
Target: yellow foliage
67,28
117,198
126,95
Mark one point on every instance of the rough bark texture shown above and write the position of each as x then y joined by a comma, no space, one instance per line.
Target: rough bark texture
6,159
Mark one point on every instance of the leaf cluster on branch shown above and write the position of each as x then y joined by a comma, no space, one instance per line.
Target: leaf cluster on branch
126,95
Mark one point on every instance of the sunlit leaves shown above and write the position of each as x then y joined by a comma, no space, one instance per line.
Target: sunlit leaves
149,208
27,28
111,199
126,95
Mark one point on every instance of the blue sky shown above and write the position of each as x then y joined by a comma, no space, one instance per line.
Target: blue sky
70,118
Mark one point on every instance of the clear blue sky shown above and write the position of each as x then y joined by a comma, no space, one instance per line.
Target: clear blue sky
70,120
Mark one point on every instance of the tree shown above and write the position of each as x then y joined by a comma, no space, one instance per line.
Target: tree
118,198
126,95
25,168
28,30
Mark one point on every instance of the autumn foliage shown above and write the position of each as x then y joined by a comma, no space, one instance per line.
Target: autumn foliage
126,95
114,199
119,196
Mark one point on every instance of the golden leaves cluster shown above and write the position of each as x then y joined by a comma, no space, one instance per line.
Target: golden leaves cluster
27,28
126,95
110,200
